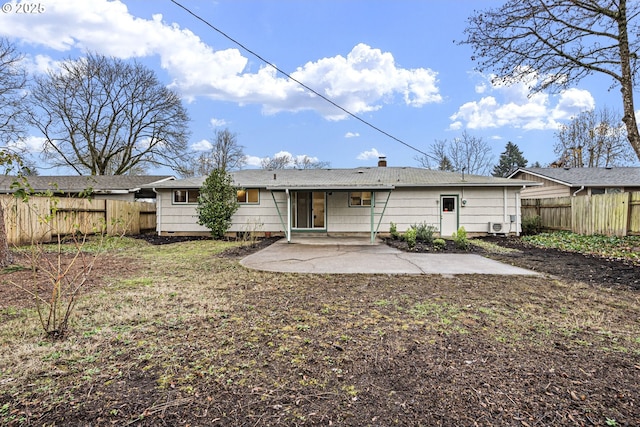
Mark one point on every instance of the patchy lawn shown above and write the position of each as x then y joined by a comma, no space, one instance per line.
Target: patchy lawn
181,334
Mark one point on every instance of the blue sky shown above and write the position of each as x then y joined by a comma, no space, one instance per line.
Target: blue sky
393,63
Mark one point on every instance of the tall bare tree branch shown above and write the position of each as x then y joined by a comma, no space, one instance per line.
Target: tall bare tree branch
564,41
104,116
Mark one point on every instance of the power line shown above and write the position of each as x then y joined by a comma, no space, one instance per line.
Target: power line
207,23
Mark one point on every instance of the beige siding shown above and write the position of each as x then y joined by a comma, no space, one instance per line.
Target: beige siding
547,189
176,218
263,216
406,206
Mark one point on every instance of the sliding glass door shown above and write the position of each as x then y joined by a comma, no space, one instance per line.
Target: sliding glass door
308,210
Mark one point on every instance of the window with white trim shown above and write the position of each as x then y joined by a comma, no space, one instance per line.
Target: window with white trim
360,198
185,196
248,196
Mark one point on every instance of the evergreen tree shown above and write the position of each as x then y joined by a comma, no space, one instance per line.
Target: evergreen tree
510,160
446,165
217,203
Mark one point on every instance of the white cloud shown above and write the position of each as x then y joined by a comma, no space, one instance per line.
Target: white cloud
31,144
363,81
40,64
508,103
370,154
351,135
217,122
253,161
202,145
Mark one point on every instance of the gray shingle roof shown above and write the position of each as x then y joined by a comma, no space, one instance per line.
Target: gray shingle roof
589,177
357,178
75,184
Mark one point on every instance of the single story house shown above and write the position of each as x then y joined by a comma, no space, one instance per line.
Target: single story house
363,200
115,187
564,182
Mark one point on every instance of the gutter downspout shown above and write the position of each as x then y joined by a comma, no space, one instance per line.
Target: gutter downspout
158,214
518,210
288,215
504,204
578,190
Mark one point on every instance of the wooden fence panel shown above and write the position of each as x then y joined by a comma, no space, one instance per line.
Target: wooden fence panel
42,218
24,220
604,214
147,217
555,213
122,218
78,215
634,214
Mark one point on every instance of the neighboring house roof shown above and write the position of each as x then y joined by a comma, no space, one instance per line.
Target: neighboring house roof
103,184
370,178
588,177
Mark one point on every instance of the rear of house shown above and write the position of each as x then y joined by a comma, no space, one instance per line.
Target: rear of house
363,201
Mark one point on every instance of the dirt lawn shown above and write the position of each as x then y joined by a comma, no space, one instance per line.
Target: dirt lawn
181,334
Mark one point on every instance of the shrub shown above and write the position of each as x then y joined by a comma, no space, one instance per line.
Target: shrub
531,225
460,239
439,244
424,232
217,203
410,237
393,230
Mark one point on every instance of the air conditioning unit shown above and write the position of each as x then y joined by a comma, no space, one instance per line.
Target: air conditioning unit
499,227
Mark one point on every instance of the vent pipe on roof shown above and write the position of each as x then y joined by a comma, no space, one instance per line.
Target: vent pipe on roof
382,162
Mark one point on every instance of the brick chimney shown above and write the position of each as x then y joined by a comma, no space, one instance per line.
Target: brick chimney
382,162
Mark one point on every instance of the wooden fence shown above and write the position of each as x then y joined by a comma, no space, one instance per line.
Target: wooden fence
42,219
605,214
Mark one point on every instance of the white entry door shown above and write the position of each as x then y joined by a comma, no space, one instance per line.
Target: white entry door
448,215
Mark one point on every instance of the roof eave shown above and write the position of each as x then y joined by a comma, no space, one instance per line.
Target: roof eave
328,187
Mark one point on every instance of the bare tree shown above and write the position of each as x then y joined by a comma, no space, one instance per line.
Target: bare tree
13,80
103,115
564,41
306,162
593,139
467,153
226,153
280,161
284,160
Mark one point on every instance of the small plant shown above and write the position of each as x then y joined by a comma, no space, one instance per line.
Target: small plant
410,236
531,225
251,232
393,231
460,239
424,232
439,244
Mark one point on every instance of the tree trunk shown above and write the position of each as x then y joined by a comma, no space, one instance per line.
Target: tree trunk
5,255
626,82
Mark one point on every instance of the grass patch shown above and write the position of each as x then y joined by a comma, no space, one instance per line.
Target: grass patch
194,337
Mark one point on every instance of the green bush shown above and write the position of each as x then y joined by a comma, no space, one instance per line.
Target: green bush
424,232
217,203
439,244
531,225
460,239
410,237
393,230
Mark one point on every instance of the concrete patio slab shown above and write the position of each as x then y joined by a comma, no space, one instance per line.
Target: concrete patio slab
358,255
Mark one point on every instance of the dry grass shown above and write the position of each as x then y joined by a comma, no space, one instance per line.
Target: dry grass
194,337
